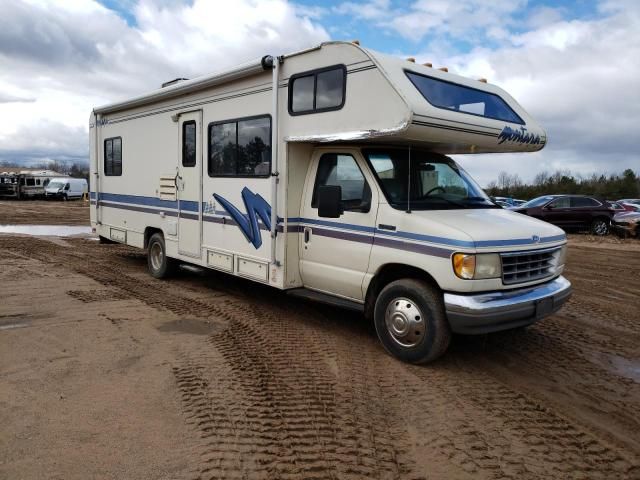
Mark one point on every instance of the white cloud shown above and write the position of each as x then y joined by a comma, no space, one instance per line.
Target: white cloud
67,57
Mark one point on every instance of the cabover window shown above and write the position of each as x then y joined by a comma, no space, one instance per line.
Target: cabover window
240,148
452,96
113,156
317,91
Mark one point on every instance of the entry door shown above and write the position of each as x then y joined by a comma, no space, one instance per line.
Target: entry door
335,251
189,183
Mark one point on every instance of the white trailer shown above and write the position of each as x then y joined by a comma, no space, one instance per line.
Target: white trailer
323,172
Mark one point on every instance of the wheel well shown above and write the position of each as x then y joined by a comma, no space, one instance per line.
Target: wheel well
389,273
148,232
601,217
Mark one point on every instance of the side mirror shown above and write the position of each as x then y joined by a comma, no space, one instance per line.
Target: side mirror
66,187
330,201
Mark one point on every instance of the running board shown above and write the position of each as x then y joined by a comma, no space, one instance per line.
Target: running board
320,297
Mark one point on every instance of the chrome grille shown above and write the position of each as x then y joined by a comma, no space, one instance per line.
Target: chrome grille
522,267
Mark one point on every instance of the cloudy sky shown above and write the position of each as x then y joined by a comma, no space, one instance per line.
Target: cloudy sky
575,66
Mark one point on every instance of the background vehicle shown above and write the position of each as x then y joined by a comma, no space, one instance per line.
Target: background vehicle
66,188
630,207
627,224
319,191
571,212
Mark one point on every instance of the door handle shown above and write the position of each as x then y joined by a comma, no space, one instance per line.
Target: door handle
307,234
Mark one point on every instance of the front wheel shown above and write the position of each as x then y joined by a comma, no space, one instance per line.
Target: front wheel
600,227
160,266
411,322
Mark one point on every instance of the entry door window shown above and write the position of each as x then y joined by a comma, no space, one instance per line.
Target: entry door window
342,170
189,144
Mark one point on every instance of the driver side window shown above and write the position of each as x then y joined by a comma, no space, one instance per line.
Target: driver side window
342,170
562,202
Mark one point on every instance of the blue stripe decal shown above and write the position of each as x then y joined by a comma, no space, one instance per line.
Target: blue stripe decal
188,205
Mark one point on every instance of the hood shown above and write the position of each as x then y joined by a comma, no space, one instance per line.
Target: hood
485,229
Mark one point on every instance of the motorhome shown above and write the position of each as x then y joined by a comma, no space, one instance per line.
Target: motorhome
324,173
26,183
66,188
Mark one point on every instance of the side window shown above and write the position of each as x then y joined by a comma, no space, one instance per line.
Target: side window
37,181
30,182
189,144
240,148
583,202
317,91
113,156
562,202
342,170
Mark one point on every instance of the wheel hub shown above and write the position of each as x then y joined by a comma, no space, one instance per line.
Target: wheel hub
405,322
156,256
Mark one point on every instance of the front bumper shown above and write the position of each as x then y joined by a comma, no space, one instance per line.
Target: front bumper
503,310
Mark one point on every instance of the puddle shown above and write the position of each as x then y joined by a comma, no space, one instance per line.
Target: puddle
624,367
193,326
46,230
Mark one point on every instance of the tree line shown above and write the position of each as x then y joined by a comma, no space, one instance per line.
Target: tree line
609,187
76,170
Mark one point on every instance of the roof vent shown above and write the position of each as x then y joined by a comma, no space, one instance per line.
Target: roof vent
483,80
173,82
428,64
444,69
411,59
355,42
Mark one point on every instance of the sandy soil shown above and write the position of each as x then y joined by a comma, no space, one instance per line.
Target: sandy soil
106,372
44,212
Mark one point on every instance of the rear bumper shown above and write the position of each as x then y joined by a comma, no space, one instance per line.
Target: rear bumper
503,310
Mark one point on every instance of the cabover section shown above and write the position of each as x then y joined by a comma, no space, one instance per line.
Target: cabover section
452,114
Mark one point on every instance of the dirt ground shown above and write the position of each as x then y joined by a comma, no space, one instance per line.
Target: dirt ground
106,372
44,212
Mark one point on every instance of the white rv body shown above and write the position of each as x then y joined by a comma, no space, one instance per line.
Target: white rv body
264,227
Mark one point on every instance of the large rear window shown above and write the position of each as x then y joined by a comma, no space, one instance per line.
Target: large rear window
452,96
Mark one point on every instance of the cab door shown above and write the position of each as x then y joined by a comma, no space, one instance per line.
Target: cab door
335,251
189,184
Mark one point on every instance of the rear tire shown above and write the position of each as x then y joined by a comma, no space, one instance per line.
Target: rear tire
411,322
600,227
160,266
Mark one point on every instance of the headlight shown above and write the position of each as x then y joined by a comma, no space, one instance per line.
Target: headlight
476,267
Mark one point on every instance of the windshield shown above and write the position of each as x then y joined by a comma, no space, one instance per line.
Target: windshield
536,202
432,182
56,185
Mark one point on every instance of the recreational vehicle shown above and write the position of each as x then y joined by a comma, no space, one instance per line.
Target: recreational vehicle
324,173
26,183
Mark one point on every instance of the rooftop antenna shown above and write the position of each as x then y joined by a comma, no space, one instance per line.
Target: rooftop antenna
409,184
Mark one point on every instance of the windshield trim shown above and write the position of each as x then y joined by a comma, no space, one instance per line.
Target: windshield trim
444,203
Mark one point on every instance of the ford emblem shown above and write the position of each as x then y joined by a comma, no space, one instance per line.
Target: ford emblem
535,239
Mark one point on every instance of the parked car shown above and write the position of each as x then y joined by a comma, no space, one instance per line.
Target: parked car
627,224
571,212
629,207
616,206
516,202
633,201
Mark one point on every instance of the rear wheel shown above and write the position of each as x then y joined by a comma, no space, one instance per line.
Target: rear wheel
160,266
600,226
411,322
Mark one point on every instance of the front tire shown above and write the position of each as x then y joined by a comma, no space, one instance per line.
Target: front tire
599,227
411,322
160,266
